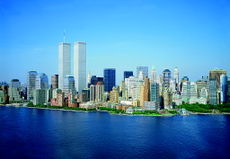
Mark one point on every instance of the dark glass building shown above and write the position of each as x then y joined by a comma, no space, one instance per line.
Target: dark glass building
127,74
109,79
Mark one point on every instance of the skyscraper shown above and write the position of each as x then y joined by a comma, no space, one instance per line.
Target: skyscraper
69,84
215,75
127,74
176,79
31,80
143,69
41,81
63,63
80,65
145,91
155,94
13,90
223,88
109,79
54,81
166,78
212,92
154,75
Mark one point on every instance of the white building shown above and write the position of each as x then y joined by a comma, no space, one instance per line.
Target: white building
80,65
133,86
63,63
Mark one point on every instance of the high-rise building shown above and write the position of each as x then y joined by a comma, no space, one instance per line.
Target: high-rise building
215,75
143,69
14,92
176,79
127,74
155,94
212,92
31,80
41,81
92,95
80,66
223,88
145,91
109,79
133,87
64,63
114,95
166,78
186,91
54,81
154,75
99,92
40,96
228,89
69,85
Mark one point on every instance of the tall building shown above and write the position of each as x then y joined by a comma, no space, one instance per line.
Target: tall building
127,74
13,90
155,94
154,75
40,96
41,81
223,88
99,92
114,95
186,91
212,92
54,81
166,78
145,91
133,87
64,63
228,89
80,66
143,69
215,75
31,80
109,79
176,79
69,85
92,95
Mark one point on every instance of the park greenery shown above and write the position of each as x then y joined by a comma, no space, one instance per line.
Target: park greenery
193,108
206,108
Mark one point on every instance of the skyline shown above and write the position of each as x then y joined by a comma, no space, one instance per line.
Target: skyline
143,32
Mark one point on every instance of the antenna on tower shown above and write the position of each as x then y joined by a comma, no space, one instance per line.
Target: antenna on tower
64,36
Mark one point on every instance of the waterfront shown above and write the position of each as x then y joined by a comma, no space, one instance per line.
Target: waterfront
40,133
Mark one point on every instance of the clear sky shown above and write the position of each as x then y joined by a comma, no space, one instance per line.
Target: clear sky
193,35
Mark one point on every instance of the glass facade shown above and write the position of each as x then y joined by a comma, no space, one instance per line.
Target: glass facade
127,74
109,79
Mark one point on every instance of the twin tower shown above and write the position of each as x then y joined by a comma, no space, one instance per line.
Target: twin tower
79,64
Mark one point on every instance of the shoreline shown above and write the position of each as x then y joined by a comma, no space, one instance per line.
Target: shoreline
124,114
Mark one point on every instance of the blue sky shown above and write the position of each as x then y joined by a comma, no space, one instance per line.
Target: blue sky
193,35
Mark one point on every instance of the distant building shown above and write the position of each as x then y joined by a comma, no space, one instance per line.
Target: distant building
40,97
145,91
80,66
176,79
64,63
2,97
69,85
215,75
31,81
228,89
99,92
186,91
109,79
41,81
127,74
166,78
153,75
114,95
212,92
223,88
143,69
14,90
155,94
54,81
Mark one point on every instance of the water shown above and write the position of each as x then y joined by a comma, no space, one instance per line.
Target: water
36,133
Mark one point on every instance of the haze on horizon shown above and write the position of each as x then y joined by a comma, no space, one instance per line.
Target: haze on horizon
193,35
